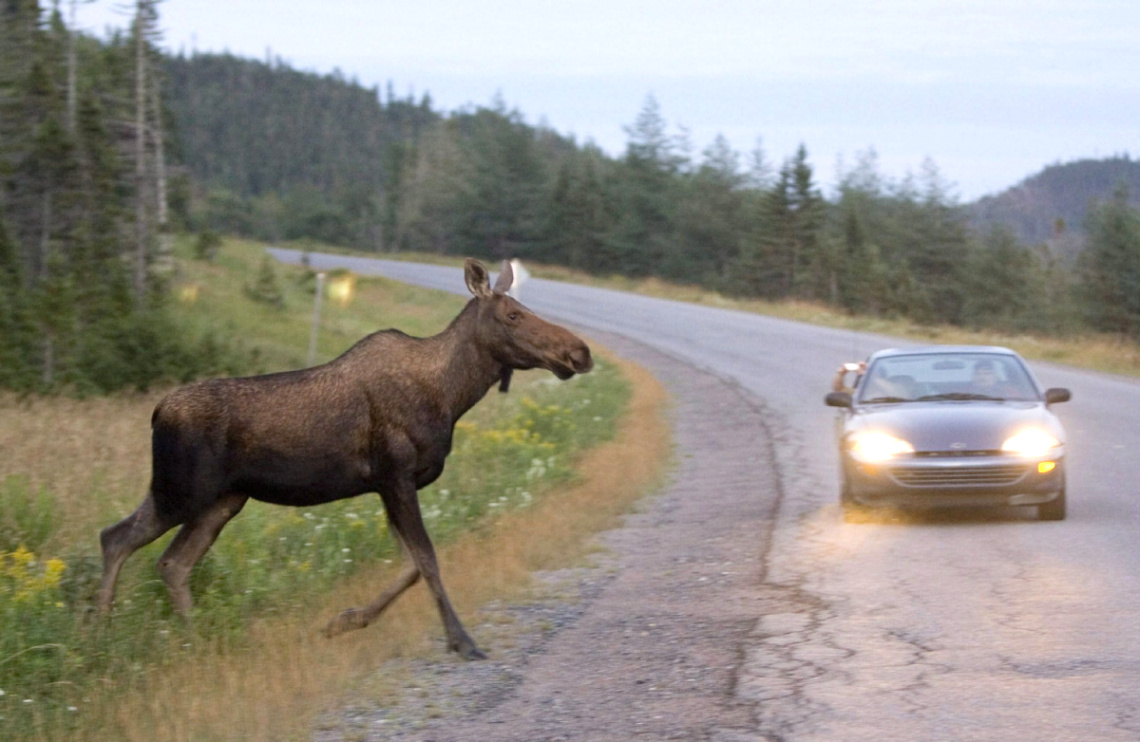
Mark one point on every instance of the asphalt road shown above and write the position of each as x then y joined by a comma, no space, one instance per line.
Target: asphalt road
986,625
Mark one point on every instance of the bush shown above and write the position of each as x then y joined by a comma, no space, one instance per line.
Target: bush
207,244
266,289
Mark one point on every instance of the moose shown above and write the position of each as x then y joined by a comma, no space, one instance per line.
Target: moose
379,418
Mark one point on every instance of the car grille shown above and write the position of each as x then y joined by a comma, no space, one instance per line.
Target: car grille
959,476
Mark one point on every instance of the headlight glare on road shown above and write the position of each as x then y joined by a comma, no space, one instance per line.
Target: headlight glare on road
1030,442
878,446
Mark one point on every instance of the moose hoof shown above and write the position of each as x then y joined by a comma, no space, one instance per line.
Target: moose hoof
348,620
473,653
468,651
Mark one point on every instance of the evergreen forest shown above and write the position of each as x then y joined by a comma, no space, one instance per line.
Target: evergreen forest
108,147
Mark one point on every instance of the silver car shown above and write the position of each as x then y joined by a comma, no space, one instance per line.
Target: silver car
950,426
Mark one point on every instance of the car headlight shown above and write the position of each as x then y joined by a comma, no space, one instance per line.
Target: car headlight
1030,442
876,446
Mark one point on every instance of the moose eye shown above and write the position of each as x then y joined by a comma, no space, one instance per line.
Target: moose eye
513,316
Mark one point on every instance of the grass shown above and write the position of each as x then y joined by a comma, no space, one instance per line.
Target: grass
532,474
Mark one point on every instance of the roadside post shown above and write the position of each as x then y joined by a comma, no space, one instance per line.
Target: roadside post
316,318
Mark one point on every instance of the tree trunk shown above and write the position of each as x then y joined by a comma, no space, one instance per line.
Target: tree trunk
71,72
164,258
140,154
48,367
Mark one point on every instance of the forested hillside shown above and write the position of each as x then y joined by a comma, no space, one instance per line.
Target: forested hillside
1055,201
91,161
288,154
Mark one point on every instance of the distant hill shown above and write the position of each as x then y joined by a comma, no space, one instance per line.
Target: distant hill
1051,205
253,127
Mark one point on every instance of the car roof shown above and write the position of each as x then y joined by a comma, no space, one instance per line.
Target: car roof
942,349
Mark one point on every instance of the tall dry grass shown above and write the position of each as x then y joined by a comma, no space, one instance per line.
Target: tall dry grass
92,456
288,674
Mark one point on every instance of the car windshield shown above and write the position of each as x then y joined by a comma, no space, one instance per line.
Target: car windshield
946,376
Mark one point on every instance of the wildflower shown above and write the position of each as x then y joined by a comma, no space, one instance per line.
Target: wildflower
53,571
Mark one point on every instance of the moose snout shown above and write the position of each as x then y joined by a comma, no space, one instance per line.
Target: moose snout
580,359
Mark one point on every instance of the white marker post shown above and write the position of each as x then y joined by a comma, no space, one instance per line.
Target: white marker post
316,318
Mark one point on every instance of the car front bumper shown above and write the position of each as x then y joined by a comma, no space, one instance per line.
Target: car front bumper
955,481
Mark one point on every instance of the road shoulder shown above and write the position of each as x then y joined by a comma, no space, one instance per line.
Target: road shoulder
648,640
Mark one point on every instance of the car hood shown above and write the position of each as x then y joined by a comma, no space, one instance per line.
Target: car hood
947,426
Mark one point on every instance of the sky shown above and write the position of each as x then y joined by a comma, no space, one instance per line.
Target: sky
990,91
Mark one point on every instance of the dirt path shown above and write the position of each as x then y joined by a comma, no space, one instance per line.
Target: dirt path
647,642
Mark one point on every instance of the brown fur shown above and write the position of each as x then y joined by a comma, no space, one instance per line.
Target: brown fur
379,418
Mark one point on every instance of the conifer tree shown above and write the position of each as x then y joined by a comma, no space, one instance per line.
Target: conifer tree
645,192
1110,275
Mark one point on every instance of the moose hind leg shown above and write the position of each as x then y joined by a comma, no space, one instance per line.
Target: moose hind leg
188,546
122,539
404,516
358,618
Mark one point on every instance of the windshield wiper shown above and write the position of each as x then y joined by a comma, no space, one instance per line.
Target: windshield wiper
885,400
959,396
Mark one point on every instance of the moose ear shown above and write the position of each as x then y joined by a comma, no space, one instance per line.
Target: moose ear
478,280
505,279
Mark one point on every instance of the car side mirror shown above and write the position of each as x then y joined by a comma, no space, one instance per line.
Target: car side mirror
837,399
1057,394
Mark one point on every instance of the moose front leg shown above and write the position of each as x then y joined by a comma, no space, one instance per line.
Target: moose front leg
404,516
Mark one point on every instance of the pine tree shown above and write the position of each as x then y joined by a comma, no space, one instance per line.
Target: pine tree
710,216
811,267
576,217
500,201
644,189
785,257
997,285
266,289
1110,276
